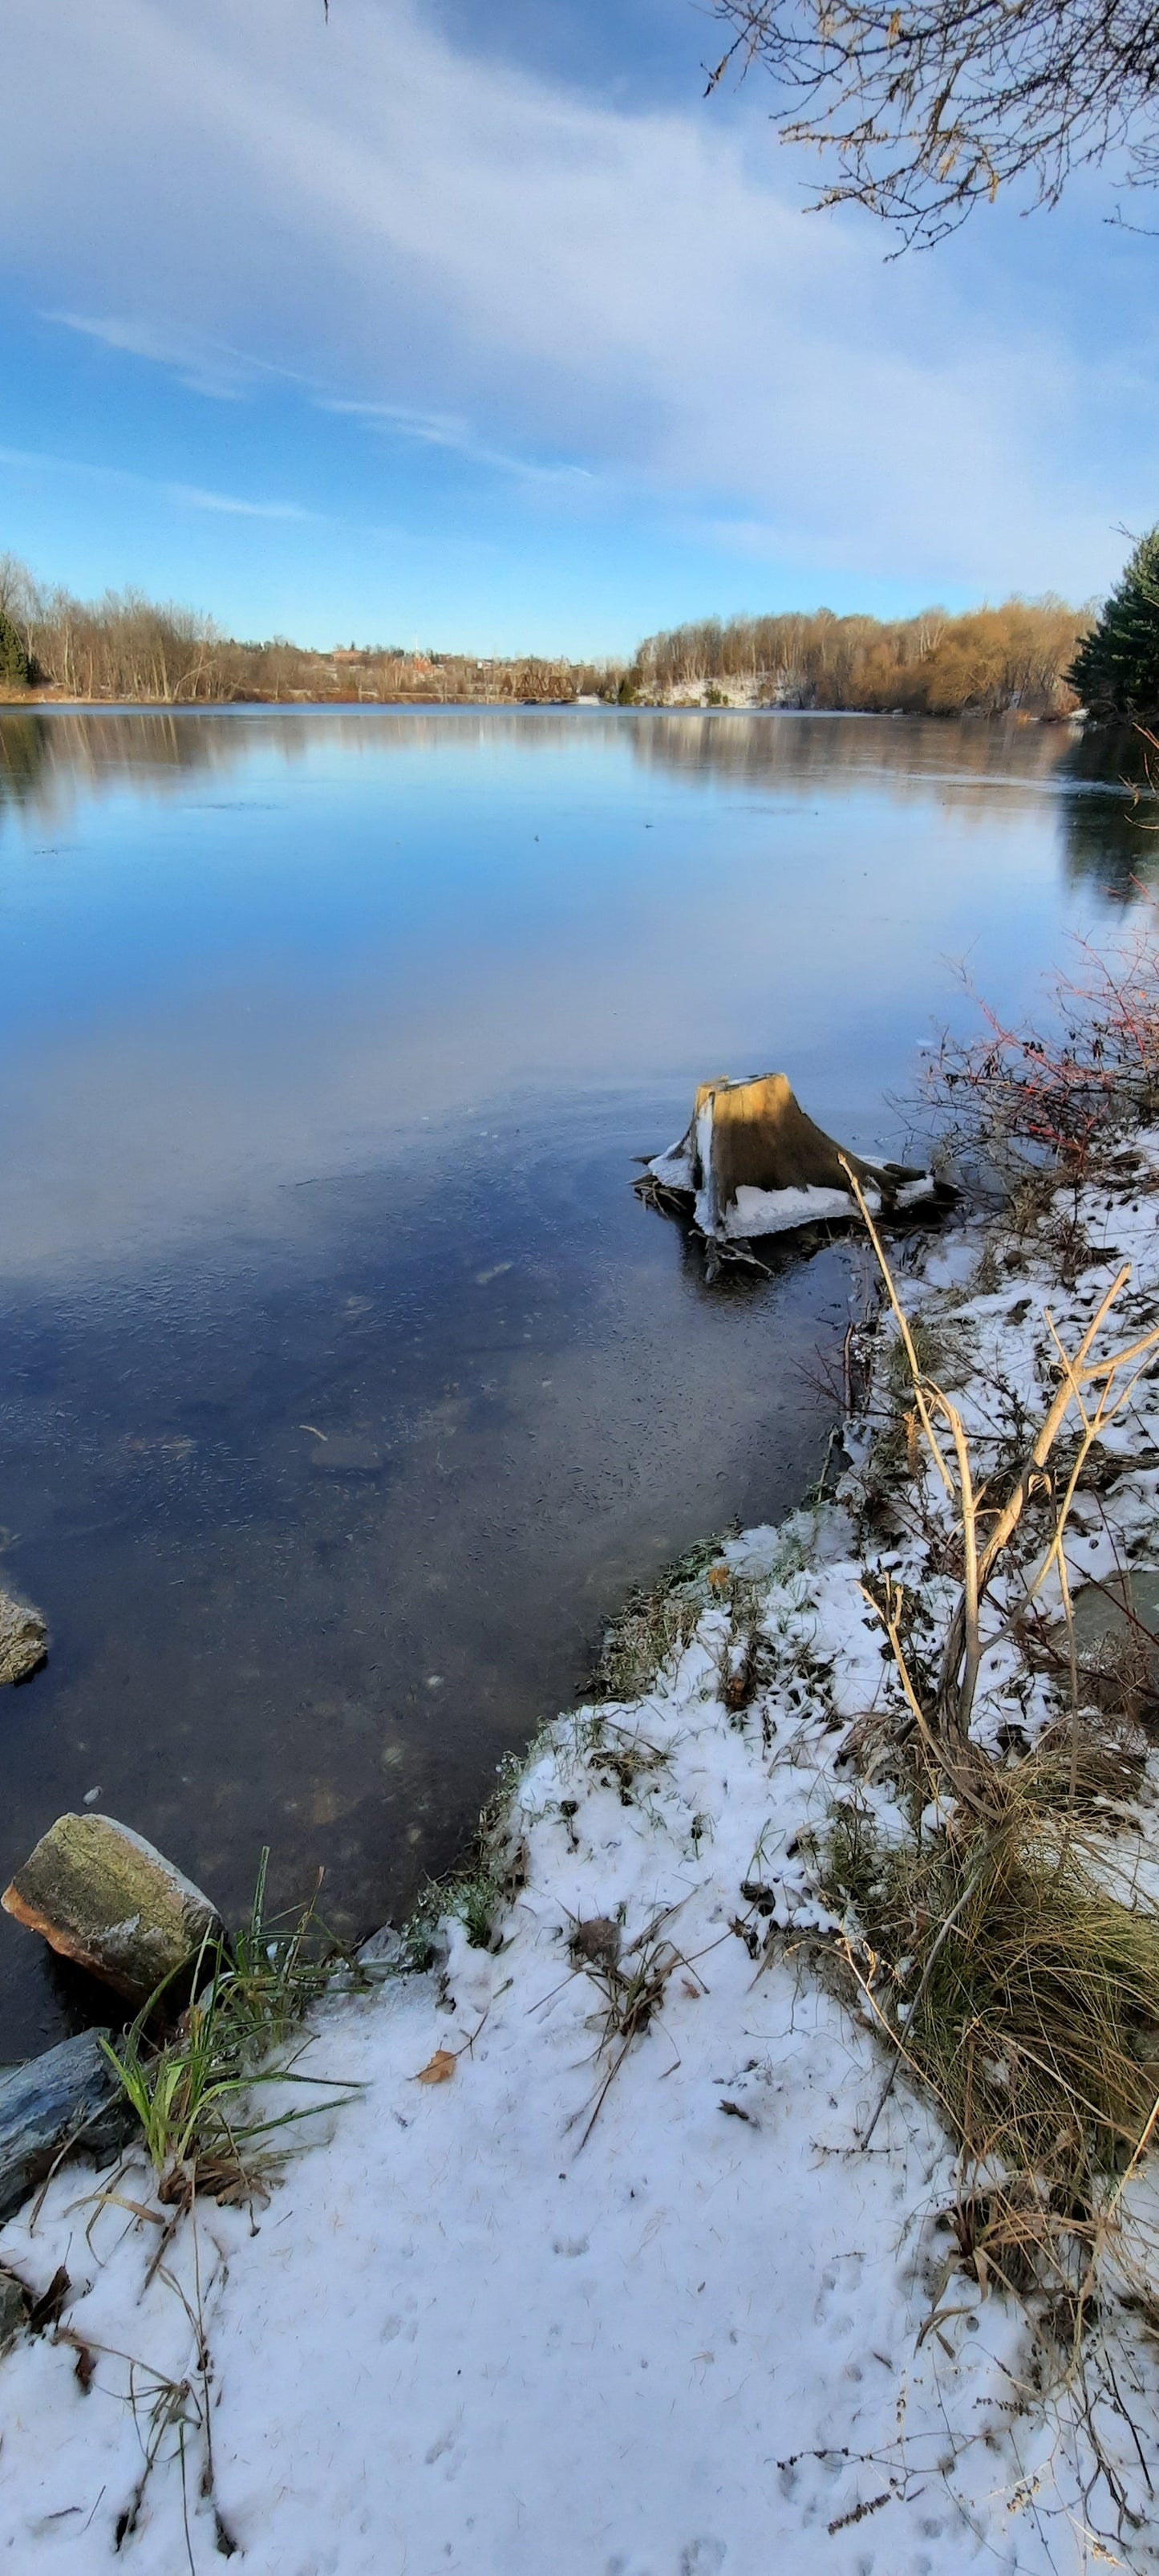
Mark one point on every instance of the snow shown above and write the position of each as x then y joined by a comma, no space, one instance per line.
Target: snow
753,1213
473,2330
779,1211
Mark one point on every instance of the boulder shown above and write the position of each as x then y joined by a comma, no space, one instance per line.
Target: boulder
101,1894
23,1638
69,2097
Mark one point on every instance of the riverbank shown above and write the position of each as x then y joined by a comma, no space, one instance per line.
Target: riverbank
758,696
597,2272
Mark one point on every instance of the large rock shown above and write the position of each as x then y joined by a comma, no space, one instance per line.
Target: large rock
23,1638
70,2097
102,1895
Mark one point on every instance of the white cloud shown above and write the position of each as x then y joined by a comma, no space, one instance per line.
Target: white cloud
205,366
493,264
191,497
441,429
186,496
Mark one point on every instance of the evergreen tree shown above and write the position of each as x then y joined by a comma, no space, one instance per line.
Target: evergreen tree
1116,668
14,666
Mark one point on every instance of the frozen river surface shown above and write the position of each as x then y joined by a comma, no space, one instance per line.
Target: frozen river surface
345,1387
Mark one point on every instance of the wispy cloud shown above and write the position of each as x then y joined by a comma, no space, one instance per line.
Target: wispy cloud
184,496
442,429
212,367
189,496
206,366
482,261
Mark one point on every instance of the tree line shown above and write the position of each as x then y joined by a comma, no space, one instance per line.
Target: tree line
1037,657
125,647
987,662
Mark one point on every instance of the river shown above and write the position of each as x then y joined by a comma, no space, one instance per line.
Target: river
345,1386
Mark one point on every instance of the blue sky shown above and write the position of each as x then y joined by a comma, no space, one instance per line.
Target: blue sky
400,328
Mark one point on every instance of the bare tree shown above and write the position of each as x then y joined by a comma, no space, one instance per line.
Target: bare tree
921,109
19,600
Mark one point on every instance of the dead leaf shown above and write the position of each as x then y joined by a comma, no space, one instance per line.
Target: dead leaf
441,2067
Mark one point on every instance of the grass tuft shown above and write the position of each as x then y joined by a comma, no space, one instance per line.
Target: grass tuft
1025,1996
197,2092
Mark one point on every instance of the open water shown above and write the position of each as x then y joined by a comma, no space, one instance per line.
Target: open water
345,1386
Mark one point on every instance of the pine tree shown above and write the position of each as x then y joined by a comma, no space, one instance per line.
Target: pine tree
14,665
1116,668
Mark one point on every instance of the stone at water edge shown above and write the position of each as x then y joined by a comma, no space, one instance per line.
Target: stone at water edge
14,2300
71,2094
102,1895
23,1638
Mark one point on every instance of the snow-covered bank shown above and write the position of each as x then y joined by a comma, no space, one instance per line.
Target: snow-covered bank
709,2333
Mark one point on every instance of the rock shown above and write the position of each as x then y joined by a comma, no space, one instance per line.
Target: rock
102,1895
68,2097
387,1950
23,1638
596,1943
14,2306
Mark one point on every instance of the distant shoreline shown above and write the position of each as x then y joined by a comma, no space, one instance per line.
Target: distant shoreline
45,700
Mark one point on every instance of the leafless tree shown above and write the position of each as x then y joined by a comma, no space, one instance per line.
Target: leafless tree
987,661
919,110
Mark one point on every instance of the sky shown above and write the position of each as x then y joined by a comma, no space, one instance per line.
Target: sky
398,327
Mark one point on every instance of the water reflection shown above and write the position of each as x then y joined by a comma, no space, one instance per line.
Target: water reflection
1112,820
908,754
345,1386
52,757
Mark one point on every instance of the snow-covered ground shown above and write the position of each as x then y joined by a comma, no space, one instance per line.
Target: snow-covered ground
707,2335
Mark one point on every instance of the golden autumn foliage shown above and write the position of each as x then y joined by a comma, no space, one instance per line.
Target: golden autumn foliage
986,662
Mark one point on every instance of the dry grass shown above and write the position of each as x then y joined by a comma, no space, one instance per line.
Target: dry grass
656,1624
632,1981
1008,1976
1025,1996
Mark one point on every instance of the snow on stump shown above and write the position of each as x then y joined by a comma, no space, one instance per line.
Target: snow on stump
23,1638
100,1894
752,1163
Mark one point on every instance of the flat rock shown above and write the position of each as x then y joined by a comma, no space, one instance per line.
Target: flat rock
68,2097
23,1638
102,1895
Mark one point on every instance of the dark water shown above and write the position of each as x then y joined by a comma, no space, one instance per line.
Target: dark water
344,1385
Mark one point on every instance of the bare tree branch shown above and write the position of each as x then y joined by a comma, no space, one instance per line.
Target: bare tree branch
918,113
